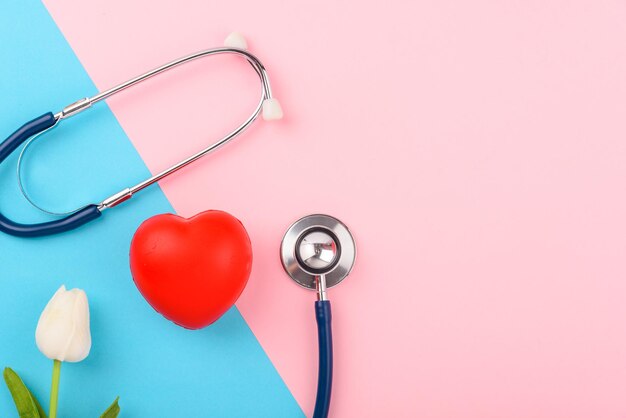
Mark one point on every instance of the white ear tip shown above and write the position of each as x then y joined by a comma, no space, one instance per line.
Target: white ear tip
236,40
272,109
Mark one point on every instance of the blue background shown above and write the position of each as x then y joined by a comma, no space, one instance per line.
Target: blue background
157,368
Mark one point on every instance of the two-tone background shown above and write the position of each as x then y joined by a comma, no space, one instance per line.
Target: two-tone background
476,149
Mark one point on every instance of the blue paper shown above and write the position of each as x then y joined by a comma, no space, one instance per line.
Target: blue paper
157,368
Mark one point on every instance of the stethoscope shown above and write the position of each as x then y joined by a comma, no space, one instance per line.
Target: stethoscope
268,106
318,252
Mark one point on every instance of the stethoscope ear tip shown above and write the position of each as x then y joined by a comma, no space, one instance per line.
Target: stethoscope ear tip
236,40
272,109
271,106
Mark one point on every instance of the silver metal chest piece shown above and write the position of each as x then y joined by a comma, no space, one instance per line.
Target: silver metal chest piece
318,245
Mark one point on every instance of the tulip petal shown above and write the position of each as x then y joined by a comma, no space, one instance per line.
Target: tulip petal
80,342
63,330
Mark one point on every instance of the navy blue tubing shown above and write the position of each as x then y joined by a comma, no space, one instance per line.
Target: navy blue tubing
325,372
72,221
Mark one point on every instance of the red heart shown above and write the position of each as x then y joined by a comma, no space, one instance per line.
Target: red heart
191,270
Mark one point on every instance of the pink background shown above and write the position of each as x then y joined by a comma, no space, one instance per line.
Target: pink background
476,149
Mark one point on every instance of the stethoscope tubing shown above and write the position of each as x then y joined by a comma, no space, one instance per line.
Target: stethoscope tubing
74,220
325,370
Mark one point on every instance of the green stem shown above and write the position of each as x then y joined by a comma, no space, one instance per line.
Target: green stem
54,392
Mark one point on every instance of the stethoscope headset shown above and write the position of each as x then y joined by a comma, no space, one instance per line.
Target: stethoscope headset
268,106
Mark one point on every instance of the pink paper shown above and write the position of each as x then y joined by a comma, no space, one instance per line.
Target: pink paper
477,151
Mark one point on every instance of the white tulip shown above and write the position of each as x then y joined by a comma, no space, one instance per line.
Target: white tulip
63,329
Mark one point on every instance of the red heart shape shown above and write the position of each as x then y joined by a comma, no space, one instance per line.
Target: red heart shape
191,270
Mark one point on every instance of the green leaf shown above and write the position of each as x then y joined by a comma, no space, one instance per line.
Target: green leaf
26,406
113,410
42,413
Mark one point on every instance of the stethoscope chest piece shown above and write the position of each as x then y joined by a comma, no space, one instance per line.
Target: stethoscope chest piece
318,252
318,245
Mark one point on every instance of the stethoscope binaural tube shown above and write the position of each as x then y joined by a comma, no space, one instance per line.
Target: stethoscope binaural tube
72,221
318,252
268,107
